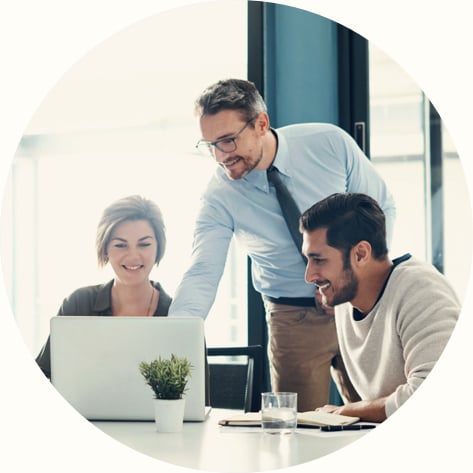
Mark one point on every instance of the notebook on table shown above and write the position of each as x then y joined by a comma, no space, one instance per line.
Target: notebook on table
95,363
304,419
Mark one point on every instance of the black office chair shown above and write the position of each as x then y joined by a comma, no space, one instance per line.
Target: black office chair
234,385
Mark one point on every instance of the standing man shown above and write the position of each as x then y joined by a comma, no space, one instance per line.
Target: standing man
313,161
393,317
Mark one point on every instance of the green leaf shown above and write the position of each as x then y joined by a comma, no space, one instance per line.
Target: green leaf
167,377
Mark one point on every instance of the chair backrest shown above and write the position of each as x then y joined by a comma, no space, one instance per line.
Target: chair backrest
236,385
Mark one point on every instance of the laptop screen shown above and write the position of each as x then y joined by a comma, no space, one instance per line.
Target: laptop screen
95,363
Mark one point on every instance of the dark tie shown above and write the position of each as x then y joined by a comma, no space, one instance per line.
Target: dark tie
288,206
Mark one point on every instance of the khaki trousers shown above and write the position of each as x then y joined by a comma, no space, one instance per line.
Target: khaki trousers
303,353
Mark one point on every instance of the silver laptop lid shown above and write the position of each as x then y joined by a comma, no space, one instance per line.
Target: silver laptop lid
95,359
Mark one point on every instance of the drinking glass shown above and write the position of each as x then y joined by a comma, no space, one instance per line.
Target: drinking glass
279,412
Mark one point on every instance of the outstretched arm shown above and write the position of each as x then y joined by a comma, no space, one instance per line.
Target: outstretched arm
198,287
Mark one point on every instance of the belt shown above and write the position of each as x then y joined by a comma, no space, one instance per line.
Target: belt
297,301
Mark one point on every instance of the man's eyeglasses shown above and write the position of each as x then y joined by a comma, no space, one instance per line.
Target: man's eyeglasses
225,145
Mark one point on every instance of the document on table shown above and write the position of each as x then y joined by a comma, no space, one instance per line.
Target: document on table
304,419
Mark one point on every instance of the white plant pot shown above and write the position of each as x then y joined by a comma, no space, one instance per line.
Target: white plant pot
169,414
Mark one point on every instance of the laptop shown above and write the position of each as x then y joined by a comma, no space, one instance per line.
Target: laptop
95,359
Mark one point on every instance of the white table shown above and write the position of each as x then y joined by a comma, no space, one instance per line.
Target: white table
208,446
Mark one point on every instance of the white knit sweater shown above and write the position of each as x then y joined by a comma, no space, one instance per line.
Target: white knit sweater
392,350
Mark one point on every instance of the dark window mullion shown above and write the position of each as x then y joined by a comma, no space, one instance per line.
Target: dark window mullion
436,188
257,332
353,86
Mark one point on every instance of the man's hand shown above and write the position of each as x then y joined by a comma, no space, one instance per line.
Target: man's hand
330,408
371,411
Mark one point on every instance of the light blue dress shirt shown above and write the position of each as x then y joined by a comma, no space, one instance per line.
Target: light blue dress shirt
315,160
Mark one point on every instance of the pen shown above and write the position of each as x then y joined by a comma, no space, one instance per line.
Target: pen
338,428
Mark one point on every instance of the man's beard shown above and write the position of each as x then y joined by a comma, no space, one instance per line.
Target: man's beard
249,166
348,291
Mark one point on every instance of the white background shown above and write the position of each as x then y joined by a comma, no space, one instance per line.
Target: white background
40,41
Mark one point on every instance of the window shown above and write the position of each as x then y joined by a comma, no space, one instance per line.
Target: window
458,231
399,132
121,122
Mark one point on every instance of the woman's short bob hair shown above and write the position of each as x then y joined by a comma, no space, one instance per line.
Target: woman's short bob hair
133,207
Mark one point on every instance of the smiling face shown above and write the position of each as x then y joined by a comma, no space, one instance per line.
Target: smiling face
248,154
132,251
328,270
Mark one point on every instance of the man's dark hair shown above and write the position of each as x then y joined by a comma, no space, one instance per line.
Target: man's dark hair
349,218
231,94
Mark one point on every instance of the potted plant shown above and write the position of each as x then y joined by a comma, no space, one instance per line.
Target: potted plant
168,378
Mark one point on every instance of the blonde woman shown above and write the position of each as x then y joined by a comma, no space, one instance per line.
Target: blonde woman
131,237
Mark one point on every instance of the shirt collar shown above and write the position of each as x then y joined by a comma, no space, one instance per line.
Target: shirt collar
103,301
281,160
259,179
